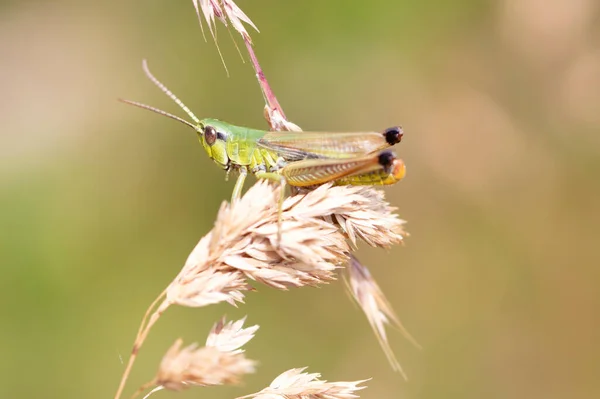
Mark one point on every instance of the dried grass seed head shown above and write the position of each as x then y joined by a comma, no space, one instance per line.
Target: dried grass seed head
223,10
243,243
361,212
205,366
296,384
230,336
365,290
220,362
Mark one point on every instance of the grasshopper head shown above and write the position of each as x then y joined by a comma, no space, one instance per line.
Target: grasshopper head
212,134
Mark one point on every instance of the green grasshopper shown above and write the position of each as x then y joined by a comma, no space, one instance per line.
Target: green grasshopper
299,159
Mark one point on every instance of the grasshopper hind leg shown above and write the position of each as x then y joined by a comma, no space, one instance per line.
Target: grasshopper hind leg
378,168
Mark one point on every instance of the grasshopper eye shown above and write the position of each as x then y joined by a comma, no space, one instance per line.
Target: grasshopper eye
210,135
393,135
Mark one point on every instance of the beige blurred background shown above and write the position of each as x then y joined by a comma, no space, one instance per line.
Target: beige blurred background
100,203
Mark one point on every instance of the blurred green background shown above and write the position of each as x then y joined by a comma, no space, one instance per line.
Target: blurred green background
100,203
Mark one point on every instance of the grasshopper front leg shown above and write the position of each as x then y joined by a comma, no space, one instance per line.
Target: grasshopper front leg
282,182
239,185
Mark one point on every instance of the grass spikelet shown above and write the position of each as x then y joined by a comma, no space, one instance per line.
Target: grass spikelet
238,18
220,362
365,290
296,384
223,10
243,245
230,336
360,211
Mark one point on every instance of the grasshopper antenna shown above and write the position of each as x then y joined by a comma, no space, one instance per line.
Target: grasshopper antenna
168,92
159,111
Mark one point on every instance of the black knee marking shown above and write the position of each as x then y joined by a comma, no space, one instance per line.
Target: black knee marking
386,159
393,135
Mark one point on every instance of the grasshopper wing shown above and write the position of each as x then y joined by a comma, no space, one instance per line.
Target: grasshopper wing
295,146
